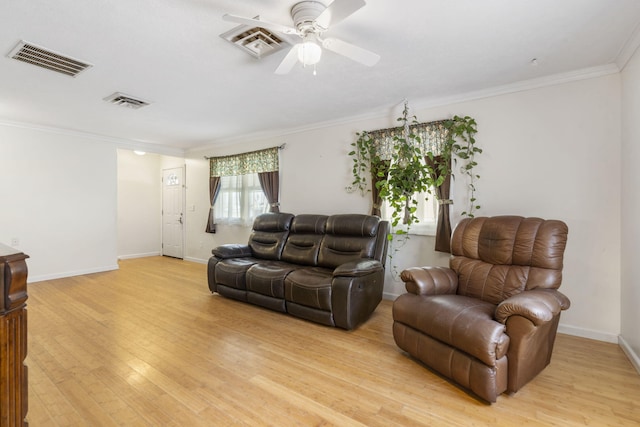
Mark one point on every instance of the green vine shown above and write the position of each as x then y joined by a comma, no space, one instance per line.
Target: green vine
402,177
407,175
365,160
461,143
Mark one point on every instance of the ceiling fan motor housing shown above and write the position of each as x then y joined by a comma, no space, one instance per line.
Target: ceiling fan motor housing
304,15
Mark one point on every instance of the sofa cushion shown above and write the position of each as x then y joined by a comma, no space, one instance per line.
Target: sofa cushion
303,244
231,250
353,225
267,277
270,231
309,286
349,237
231,272
458,321
273,221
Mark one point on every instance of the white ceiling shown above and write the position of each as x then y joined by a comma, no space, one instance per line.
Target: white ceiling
206,91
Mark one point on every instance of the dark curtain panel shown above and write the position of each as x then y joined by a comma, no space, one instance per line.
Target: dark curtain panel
270,183
382,168
443,226
214,189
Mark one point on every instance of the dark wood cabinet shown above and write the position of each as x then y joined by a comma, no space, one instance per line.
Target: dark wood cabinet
13,337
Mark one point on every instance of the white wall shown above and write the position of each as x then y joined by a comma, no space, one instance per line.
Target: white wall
630,300
58,198
199,243
552,152
139,204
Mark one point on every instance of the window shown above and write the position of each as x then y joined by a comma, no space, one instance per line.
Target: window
234,187
240,200
427,211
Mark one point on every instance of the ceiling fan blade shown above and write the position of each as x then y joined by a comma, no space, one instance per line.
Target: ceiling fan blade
289,61
337,11
355,53
258,23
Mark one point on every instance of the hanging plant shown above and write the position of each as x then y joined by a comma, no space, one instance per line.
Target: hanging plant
461,142
365,160
407,176
402,174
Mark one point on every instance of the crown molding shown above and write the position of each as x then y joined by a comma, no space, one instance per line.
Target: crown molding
279,133
118,142
628,49
522,86
382,114
419,104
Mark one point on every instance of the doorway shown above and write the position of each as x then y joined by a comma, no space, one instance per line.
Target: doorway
173,212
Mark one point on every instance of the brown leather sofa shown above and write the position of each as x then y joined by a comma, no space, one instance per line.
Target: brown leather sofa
327,269
489,321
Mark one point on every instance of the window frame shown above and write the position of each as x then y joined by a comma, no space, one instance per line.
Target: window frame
244,211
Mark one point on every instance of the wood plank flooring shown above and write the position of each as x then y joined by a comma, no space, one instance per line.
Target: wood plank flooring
149,345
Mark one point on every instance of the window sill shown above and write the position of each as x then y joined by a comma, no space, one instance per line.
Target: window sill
419,229
234,222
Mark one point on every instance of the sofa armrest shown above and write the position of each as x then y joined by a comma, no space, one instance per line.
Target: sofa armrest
231,251
538,305
356,291
361,267
430,280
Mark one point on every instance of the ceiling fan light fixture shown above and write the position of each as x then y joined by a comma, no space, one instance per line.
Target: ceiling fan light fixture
310,21
309,53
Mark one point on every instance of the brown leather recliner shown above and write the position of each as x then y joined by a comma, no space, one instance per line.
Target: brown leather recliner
489,321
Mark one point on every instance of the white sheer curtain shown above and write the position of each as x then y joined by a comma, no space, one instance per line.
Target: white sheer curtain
240,200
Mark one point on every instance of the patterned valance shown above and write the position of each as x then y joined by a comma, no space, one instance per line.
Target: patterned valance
245,163
432,137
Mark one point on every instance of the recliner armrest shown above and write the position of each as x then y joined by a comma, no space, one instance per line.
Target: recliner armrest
538,305
430,280
232,250
361,267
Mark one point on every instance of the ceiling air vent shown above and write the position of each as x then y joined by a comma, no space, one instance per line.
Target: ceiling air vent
256,41
126,100
42,57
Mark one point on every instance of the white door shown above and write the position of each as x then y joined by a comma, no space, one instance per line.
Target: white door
172,212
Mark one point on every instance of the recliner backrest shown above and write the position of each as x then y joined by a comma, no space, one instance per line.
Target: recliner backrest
498,257
270,231
350,237
303,244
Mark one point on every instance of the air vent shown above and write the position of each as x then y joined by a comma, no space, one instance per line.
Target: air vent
42,57
256,41
128,101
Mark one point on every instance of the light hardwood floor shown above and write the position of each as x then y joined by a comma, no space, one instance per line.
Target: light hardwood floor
149,345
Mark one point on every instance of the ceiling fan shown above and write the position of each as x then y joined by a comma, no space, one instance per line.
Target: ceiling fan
310,20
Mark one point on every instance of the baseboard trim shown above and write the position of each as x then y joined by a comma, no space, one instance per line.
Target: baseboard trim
389,296
633,357
198,260
142,255
587,333
43,277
